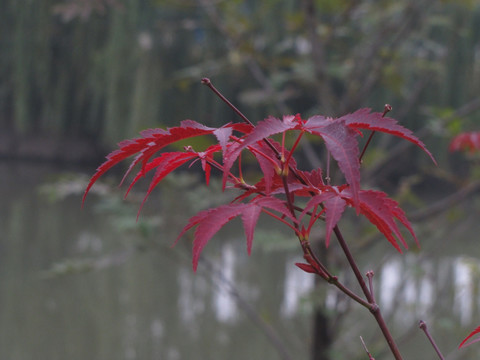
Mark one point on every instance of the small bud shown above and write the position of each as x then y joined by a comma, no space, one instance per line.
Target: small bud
386,109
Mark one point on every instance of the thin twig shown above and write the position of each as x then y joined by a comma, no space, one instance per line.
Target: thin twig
422,325
386,109
370,357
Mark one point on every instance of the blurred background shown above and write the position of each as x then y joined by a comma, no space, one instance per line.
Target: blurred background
78,76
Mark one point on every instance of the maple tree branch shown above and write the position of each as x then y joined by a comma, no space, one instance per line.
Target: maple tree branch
374,308
207,82
422,325
322,271
353,264
334,281
309,254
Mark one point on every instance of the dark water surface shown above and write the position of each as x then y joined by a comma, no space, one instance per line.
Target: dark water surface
93,284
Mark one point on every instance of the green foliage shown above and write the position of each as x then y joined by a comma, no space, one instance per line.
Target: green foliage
107,69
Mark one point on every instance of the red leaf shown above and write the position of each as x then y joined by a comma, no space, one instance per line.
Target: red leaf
382,211
314,177
164,164
249,219
334,207
206,156
306,267
469,141
474,332
275,188
211,221
152,140
364,119
265,163
251,214
334,210
268,161
275,204
342,144
264,129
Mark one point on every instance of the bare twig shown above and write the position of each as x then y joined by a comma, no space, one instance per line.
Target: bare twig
370,357
423,326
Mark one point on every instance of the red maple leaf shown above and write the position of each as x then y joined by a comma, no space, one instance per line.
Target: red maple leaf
464,342
169,161
153,140
209,222
469,141
380,210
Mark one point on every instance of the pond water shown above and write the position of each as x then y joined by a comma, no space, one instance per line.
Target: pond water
92,283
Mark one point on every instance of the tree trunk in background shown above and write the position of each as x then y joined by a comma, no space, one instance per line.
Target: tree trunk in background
322,337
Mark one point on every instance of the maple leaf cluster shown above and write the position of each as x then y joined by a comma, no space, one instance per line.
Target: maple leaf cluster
282,182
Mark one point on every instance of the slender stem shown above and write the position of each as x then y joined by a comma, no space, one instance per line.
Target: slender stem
423,326
334,280
328,178
386,109
269,213
374,308
325,274
293,148
370,357
206,81
366,146
353,264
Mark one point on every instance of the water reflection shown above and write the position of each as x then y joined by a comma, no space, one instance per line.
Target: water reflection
225,305
139,298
